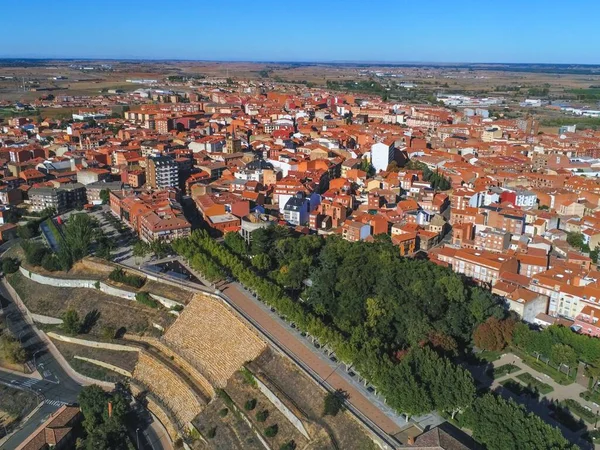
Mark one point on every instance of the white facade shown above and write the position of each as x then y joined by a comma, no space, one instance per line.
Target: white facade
381,155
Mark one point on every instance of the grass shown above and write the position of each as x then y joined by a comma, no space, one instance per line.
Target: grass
534,383
591,396
488,356
16,403
500,371
578,409
540,366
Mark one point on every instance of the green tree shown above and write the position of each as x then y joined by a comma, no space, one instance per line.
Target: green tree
236,243
105,196
10,265
12,350
334,402
79,234
262,262
563,354
140,249
71,322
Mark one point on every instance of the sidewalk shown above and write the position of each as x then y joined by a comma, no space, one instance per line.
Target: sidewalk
559,393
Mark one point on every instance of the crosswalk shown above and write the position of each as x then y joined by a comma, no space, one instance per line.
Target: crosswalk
29,383
57,403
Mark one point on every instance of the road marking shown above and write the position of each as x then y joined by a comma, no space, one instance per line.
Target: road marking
57,403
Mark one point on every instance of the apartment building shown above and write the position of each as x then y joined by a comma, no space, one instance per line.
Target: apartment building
162,172
482,266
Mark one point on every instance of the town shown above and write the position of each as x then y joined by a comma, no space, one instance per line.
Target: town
437,254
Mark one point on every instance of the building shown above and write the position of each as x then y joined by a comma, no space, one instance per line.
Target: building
482,266
162,172
253,222
381,155
93,190
297,209
58,432
355,231
233,145
527,304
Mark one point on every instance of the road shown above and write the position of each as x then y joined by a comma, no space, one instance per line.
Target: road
53,385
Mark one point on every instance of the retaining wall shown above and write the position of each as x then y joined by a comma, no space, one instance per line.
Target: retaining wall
94,344
93,284
46,319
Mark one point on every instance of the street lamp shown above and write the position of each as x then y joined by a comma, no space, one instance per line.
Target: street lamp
19,337
137,436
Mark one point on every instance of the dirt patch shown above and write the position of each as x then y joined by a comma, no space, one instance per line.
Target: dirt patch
14,405
308,398
242,390
123,360
231,431
168,291
115,313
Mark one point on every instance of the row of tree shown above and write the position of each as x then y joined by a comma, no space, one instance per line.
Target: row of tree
396,320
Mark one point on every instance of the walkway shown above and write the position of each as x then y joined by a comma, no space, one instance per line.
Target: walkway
560,392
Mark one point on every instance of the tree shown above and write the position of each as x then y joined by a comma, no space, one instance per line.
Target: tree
272,430
79,233
10,265
71,323
262,262
140,249
334,403
563,354
494,334
236,243
575,239
12,349
500,424
93,401
105,196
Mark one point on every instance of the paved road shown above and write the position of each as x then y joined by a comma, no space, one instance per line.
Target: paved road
52,384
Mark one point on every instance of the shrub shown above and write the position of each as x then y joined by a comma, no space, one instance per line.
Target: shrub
177,308
250,404
334,403
145,299
211,433
10,265
223,412
271,431
108,332
50,263
71,323
261,416
289,445
120,276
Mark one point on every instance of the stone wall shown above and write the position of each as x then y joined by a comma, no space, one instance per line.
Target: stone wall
93,344
93,284
46,319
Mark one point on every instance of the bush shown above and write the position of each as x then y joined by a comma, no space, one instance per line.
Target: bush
177,308
145,299
71,323
108,332
334,403
50,263
12,349
211,433
223,412
271,431
10,265
120,276
289,445
261,416
34,253
250,404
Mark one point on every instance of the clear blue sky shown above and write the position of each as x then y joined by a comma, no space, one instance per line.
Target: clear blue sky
324,30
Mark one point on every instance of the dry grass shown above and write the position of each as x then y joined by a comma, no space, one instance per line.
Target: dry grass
308,397
14,405
114,312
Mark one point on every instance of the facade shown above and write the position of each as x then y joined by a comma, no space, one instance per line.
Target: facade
253,222
162,172
381,155
484,267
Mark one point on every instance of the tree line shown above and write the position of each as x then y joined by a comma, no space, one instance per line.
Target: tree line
400,322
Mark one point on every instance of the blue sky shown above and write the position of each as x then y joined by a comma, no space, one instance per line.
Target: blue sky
325,30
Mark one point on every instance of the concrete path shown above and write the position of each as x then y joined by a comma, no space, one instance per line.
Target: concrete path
538,406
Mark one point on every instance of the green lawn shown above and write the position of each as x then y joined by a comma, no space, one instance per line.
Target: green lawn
591,396
518,389
534,383
488,356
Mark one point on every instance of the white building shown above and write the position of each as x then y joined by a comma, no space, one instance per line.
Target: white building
381,155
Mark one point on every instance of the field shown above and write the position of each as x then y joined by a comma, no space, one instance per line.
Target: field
114,312
14,405
124,360
308,398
